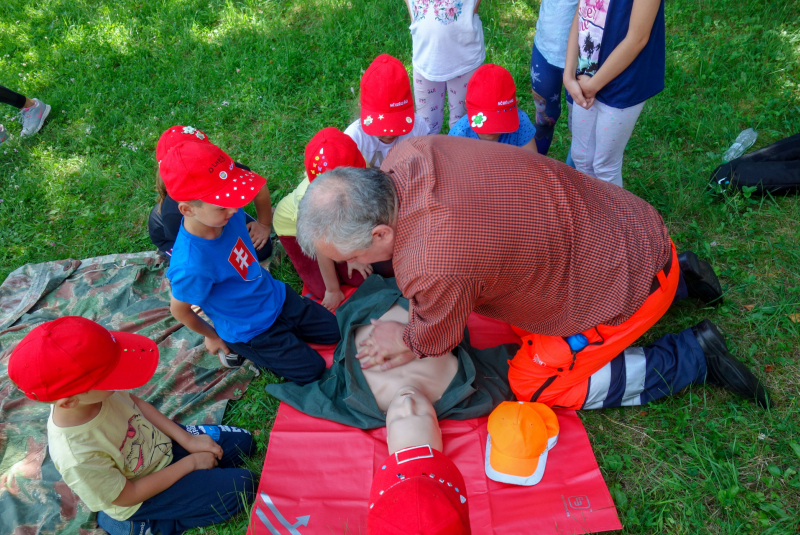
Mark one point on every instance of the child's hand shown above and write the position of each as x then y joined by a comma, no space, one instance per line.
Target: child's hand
203,460
201,443
587,88
364,269
258,233
332,299
213,345
576,92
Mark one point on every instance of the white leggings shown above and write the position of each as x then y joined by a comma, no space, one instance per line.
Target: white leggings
599,137
429,99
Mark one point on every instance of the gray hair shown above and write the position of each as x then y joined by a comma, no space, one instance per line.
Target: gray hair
342,206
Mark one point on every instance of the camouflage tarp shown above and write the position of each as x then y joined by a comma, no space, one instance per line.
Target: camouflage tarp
121,292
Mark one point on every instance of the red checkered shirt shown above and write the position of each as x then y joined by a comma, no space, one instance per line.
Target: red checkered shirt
514,236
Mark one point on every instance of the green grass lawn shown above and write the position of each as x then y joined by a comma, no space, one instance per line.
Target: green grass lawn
260,77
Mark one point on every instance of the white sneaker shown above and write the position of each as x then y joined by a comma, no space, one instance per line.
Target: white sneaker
33,117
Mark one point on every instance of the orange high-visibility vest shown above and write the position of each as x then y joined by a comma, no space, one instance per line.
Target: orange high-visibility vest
546,370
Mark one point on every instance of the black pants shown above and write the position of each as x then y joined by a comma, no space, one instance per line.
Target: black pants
283,348
12,98
774,169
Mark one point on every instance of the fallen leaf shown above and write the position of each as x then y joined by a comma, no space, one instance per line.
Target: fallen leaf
795,318
769,368
643,413
748,307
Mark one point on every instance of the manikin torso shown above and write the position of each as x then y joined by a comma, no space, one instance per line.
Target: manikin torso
431,376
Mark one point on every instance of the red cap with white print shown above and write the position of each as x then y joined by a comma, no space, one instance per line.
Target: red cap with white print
492,101
175,135
73,355
387,106
418,491
330,148
202,171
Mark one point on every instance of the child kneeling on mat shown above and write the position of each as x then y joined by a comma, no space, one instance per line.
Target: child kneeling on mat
214,266
140,470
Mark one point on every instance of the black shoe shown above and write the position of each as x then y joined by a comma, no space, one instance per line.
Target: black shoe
701,281
726,371
230,360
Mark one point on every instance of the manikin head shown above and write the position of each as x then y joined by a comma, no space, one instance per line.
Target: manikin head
411,421
417,490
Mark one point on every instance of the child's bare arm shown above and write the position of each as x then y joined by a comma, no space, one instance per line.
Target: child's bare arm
142,489
333,291
189,442
260,228
183,312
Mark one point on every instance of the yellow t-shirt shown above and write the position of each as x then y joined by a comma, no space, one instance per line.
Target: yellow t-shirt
96,458
284,220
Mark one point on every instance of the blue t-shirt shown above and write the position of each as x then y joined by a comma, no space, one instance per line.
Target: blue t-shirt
519,138
644,77
222,276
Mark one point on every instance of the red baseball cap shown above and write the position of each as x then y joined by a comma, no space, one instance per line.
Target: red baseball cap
73,355
331,148
492,101
387,107
178,134
202,171
418,491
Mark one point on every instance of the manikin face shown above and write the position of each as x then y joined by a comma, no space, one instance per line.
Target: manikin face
411,421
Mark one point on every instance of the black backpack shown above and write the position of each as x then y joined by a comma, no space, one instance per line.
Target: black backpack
774,169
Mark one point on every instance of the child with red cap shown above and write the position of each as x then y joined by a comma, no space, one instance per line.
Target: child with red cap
214,266
387,110
492,113
447,40
165,218
328,149
140,470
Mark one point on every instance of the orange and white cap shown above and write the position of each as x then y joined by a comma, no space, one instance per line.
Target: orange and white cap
521,434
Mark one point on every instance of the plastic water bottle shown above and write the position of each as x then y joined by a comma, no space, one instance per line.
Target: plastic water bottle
744,141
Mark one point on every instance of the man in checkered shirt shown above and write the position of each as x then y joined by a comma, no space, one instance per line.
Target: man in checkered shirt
580,267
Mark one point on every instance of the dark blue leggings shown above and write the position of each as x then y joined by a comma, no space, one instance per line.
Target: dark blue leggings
546,83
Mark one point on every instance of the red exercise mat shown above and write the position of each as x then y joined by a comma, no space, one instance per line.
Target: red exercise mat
317,473
317,476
